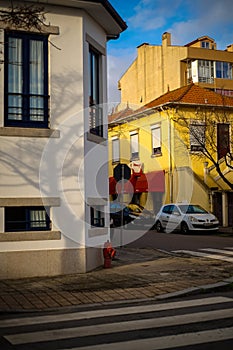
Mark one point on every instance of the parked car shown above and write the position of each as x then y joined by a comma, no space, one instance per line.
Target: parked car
116,217
133,214
141,216
185,217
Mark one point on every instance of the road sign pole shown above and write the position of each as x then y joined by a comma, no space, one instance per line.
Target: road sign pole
122,202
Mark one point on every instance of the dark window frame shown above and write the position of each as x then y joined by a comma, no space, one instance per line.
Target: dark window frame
25,94
97,219
95,111
223,139
23,221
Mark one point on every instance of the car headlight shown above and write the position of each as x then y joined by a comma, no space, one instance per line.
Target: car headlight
193,219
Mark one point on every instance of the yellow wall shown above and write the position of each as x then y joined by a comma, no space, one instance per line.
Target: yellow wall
159,68
184,176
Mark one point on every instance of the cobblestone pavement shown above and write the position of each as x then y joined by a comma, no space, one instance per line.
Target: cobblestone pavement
134,274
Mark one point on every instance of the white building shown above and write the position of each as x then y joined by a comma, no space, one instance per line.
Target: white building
53,139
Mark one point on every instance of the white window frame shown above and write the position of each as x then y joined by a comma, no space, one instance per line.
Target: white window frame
195,145
156,139
134,145
115,149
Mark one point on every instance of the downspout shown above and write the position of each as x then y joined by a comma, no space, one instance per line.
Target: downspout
170,165
170,161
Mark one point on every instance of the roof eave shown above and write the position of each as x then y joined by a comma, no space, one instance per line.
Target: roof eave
101,10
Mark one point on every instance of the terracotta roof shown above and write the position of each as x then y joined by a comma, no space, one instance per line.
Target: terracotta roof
187,95
120,115
192,94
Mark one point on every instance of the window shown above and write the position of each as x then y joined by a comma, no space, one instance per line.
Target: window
97,217
206,71
205,44
115,149
134,147
26,80
156,140
26,219
223,139
223,70
95,112
197,136
167,209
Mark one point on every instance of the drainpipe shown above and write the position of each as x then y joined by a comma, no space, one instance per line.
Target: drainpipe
170,161
205,172
224,209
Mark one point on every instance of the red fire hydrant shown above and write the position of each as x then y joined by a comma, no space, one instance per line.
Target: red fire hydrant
109,253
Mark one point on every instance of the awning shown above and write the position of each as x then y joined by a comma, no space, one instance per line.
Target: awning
156,181
112,185
150,182
141,184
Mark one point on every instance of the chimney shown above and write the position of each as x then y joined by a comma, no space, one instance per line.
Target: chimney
166,39
230,48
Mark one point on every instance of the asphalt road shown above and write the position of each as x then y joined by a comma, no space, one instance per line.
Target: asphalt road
176,241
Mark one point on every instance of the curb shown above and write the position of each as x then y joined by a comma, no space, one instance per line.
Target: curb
219,286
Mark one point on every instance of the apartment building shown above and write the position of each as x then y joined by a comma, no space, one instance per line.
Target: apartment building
53,188
160,68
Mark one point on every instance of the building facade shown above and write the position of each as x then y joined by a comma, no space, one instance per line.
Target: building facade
159,68
175,145
53,190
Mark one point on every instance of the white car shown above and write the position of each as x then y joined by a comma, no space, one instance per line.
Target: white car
185,217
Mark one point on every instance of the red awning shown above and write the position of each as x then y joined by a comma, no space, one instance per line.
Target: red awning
156,181
129,186
150,182
141,184
112,185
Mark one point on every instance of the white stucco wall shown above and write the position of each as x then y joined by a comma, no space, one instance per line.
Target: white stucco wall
64,166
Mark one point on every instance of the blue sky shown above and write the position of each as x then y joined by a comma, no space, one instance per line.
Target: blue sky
147,20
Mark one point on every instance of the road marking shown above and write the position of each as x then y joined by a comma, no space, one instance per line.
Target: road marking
166,342
126,326
217,251
23,321
205,255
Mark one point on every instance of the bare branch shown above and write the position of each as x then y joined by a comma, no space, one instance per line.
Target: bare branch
24,16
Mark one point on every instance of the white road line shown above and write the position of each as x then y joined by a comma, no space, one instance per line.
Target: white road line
103,329
166,342
24,321
217,251
205,255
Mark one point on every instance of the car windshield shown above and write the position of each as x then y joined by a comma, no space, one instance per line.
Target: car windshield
192,209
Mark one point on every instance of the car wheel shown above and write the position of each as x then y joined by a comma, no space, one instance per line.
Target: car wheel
184,228
158,226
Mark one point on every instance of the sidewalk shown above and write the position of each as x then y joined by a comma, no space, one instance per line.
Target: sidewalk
135,274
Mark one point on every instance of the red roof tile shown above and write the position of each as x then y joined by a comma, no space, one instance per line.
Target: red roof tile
190,95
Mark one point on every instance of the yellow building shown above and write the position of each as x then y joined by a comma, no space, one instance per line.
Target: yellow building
163,141
158,68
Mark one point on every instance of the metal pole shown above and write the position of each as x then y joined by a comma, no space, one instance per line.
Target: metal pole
122,195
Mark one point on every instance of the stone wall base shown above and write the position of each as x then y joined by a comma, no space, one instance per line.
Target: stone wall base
38,263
